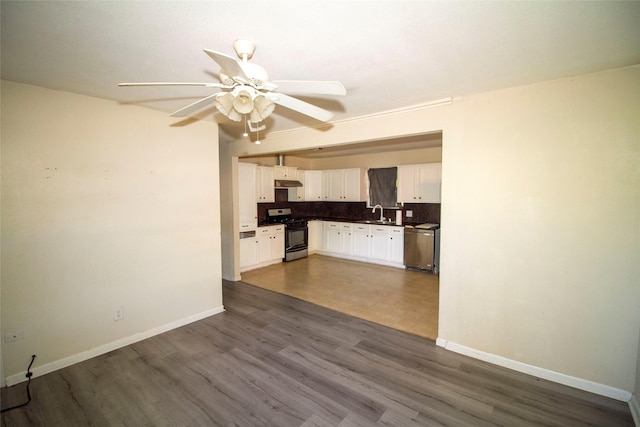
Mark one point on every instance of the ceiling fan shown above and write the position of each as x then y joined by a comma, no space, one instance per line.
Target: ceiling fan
245,90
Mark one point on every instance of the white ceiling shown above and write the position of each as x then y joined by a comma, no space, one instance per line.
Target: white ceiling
388,54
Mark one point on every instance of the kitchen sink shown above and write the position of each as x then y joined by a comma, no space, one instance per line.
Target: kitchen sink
377,222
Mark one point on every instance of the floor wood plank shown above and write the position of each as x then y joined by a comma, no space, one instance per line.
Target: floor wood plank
275,360
402,299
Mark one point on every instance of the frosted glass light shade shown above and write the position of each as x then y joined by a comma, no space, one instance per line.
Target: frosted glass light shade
224,103
243,103
263,106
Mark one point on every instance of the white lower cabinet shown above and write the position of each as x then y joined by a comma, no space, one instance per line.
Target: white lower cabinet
396,254
361,240
315,236
264,244
379,244
277,243
332,238
248,252
266,248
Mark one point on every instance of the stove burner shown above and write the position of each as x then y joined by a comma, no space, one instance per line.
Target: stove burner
283,216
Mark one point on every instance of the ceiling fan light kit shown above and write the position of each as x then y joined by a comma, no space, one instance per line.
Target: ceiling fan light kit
248,93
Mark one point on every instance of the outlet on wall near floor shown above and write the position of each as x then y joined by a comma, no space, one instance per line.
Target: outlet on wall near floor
118,314
409,214
14,335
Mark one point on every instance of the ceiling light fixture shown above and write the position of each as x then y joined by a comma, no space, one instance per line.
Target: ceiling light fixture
242,101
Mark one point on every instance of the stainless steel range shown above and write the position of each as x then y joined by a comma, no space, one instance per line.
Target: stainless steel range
296,234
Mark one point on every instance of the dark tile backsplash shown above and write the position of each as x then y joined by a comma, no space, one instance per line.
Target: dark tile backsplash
422,212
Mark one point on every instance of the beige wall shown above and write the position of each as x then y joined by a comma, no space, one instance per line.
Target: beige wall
103,205
546,183
540,213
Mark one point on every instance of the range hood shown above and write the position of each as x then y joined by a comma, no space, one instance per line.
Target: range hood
286,183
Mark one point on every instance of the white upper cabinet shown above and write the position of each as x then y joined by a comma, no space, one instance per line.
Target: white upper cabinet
264,185
343,185
352,185
312,186
248,210
297,194
419,183
284,172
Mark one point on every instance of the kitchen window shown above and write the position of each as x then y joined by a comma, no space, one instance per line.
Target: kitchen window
383,187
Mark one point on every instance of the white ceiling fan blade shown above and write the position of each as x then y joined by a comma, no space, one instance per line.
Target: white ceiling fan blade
300,106
310,86
175,84
228,64
185,111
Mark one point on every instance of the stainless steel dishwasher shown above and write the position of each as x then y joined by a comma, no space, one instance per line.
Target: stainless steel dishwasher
422,247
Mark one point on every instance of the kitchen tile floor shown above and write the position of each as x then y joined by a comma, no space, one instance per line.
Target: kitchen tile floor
402,299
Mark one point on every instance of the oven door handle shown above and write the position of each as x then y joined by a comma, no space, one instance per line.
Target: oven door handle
295,247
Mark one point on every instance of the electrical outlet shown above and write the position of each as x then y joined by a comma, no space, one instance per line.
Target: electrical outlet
409,214
118,314
14,335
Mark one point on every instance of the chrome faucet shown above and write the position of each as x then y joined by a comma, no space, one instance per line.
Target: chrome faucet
381,212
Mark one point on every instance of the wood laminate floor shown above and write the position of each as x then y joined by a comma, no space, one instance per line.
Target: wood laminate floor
402,299
274,360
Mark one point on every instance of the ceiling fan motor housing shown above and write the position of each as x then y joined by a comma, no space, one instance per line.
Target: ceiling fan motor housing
244,48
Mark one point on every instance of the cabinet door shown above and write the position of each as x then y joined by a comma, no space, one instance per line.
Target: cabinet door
380,243
332,189
296,194
332,237
351,185
284,172
346,237
264,244
361,240
407,176
248,210
428,183
264,184
313,186
248,252
279,172
315,236
419,183
277,242
396,253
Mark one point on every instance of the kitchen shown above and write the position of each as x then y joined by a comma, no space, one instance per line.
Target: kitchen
354,263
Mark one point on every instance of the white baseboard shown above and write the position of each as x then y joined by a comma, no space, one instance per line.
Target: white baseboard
579,383
114,345
634,406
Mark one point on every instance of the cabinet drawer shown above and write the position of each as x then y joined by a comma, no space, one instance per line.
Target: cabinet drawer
264,231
